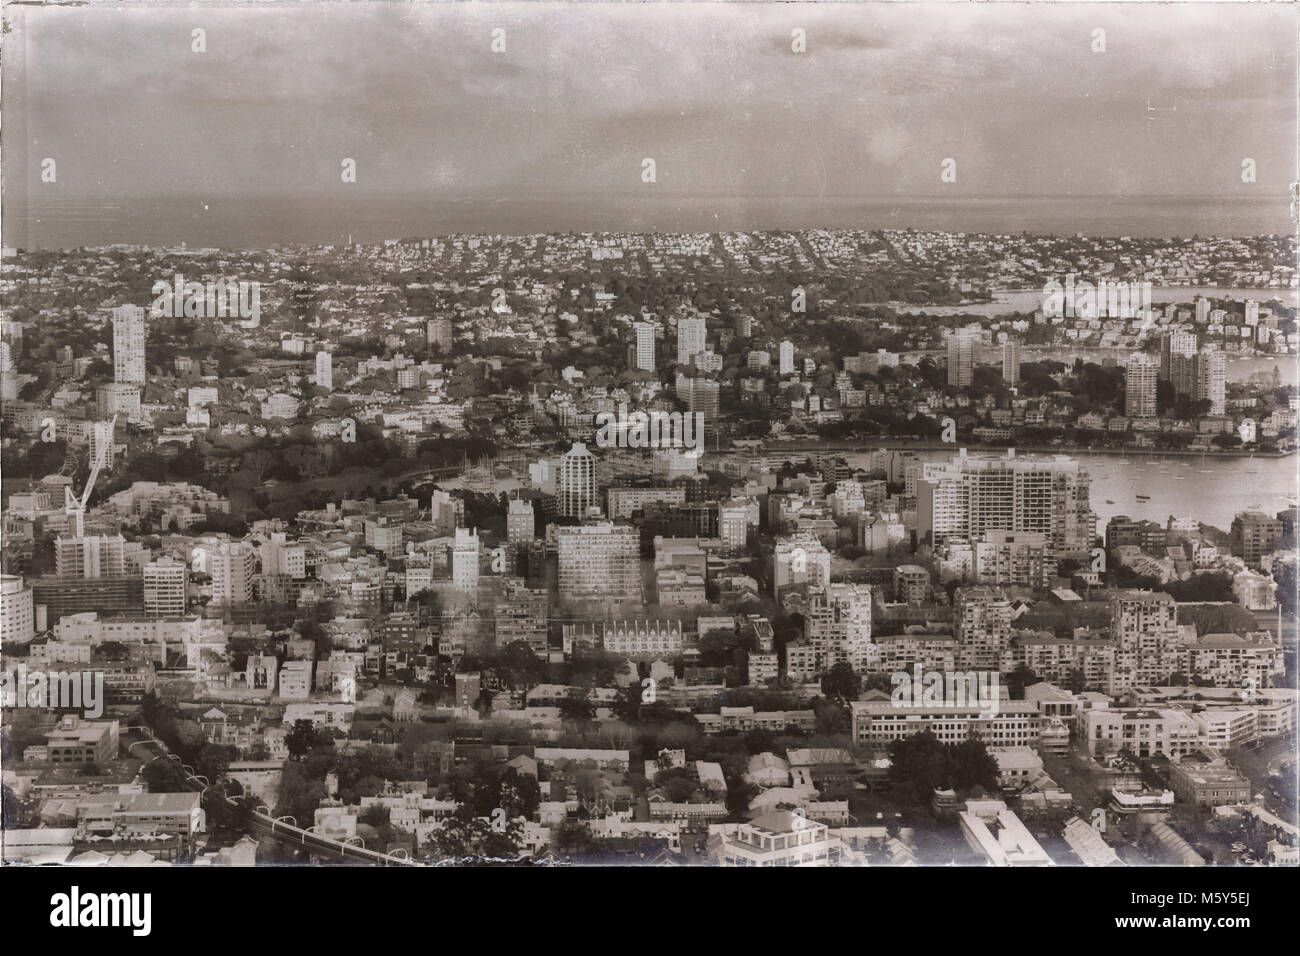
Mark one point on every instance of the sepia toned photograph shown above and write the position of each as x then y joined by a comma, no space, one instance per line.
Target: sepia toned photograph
649,435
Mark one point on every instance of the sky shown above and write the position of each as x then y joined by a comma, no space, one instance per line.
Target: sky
243,144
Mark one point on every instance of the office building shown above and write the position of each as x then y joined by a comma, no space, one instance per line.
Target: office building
520,521
599,562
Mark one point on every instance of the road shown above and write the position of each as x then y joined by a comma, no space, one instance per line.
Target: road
137,738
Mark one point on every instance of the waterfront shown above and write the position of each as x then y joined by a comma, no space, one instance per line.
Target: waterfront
1211,490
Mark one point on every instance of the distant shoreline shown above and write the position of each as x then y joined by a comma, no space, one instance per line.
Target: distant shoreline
1079,451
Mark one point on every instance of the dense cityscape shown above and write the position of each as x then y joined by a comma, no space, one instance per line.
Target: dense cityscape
721,549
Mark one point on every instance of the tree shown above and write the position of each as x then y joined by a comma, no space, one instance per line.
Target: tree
578,708
304,737
213,762
841,682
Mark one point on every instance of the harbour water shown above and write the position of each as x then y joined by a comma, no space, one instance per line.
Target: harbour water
1211,490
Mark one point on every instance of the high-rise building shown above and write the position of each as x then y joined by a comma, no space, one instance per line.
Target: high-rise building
117,398
801,559
1140,386
972,494
101,445
1202,309
961,355
91,556
981,626
744,326
599,561
325,370
691,339
464,562
164,587
1254,534
1144,627
438,333
445,513
522,614
700,395
521,522
17,615
645,346
1011,360
839,625
232,565
128,344
576,486
1178,342
1212,380
785,358
733,523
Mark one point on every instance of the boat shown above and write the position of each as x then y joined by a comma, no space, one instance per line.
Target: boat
1143,497
1109,502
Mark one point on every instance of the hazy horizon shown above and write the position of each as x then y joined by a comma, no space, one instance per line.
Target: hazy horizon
241,145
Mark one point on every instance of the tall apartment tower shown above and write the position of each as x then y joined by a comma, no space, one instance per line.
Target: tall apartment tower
701,395
325,370
91,556
645,346
1144,627
101,445
1180,343
164,587
1202,309
1212,380
785,358
1140,386
961,355
521,522
17,610
691,339
973,494
128,344
464,562
437,333
1011,361
981,626
232,565
577,481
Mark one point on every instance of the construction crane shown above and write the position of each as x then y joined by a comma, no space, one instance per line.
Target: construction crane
76,510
